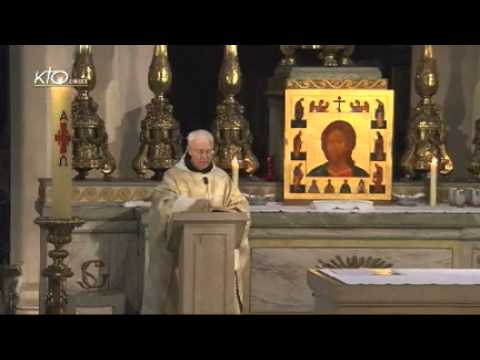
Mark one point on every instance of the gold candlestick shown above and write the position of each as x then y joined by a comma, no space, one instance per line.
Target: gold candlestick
59,234
428,132
330,55
9,275
160,137
90,141
231,130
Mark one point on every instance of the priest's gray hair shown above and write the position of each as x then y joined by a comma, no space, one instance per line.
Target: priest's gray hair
200,134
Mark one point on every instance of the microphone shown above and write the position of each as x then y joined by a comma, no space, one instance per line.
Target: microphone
205,181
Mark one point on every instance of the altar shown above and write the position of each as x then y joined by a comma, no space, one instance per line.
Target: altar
285,241
397,291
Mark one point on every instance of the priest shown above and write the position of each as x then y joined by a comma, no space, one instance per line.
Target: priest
195,184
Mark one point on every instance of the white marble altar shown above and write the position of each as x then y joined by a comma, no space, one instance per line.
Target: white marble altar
406,291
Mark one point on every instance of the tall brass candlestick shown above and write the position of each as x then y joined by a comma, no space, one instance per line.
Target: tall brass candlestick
428,132
90,138
59,234
231,130
160,137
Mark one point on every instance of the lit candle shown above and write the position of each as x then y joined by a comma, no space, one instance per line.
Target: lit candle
433,181
61,140
235,171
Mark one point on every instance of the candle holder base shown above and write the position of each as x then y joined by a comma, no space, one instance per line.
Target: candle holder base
59,234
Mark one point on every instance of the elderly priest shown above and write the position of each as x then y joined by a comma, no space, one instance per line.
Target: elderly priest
195,184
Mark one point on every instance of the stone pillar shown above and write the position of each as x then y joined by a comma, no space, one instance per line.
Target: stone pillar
28,162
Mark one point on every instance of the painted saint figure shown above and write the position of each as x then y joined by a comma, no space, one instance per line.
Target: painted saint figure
298,175
323,106
314,189
329,189
299,121
379,153
379,122
357,107
361,187
299,110
377,187
366,107
297,153
345,188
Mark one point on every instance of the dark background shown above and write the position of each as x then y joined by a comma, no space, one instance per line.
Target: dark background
194,95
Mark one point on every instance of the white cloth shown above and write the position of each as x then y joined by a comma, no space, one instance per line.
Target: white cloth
275,207
406,276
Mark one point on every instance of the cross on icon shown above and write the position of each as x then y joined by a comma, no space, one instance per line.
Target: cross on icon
339,102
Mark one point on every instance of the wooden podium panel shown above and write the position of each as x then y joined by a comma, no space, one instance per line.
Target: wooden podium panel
206,261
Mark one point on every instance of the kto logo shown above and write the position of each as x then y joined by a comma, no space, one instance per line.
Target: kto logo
52,77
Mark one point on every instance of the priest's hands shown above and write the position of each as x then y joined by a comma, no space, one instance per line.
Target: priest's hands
201,205
204,205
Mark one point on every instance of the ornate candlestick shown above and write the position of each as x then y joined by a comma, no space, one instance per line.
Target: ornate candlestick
231,130
474,168
428,132
9,275
330,55
160,137
90,140
59,234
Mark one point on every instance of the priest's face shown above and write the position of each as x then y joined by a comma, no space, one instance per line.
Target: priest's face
201,152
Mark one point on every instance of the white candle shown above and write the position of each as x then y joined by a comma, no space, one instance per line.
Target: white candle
61,140
433,181
235,171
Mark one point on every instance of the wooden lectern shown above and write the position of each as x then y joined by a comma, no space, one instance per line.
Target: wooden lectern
206,261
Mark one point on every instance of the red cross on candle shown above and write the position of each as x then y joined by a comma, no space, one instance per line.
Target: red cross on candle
63,139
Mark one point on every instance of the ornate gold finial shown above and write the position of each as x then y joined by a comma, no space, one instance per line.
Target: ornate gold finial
160,74
428,52
231,130
160,137
230,74
84,69
90,140
330,55
428,132
288,52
